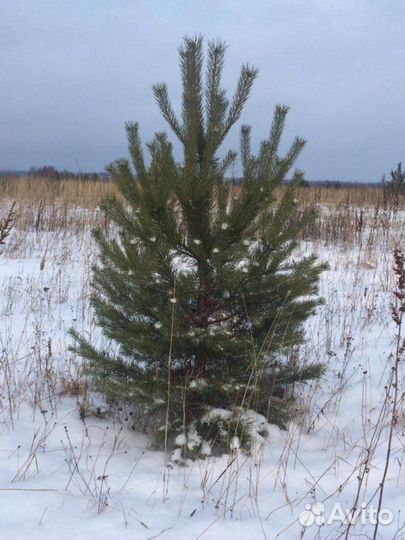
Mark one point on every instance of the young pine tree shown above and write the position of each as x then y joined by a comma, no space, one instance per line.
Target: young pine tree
197,284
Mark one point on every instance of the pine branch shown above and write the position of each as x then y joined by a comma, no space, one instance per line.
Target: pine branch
162,99
135,149
246,80
7,225
246,151
216,102
191,61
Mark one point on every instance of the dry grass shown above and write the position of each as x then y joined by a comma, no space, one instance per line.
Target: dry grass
72,204
89,193
45,191
43,204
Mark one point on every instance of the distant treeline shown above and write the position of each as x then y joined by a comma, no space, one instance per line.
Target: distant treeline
49,171
327,183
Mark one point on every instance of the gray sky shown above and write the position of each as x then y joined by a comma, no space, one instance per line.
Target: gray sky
73,71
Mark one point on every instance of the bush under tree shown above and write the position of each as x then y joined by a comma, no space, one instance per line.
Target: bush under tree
197,285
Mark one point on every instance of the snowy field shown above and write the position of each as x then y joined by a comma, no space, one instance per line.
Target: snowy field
68,469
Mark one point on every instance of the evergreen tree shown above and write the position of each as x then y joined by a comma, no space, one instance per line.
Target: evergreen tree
198,288
6,226
397,184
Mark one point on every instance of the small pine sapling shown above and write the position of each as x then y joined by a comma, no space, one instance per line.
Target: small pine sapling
200,290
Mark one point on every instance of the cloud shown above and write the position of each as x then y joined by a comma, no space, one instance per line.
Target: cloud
76,71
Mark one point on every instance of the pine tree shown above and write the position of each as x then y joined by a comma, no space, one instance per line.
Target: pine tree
197,285
397,185
6,226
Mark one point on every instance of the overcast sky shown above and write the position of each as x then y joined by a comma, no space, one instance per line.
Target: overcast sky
73,71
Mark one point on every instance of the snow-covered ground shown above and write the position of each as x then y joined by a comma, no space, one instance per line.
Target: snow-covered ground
66,473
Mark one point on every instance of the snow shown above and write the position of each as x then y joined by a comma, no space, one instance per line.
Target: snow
198,384
235,443
69,475
181,439
217,414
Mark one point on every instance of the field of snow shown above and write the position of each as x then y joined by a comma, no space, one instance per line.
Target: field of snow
70,470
